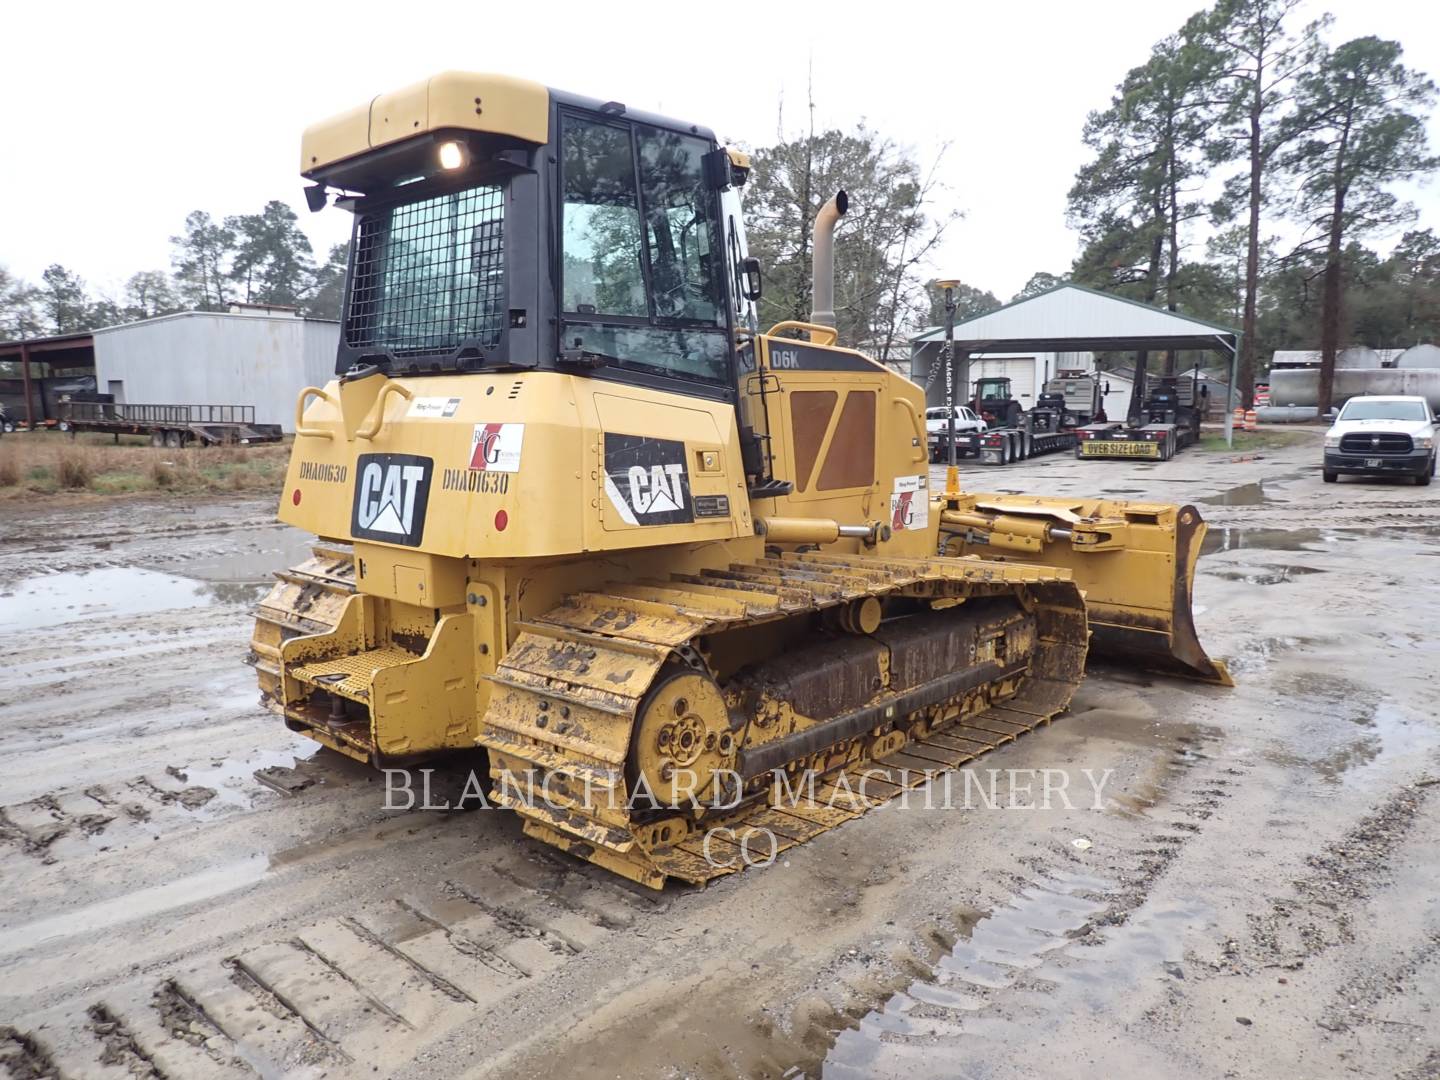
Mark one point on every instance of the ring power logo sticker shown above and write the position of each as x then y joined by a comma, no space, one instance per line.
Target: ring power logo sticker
496,447
391,493
647,481
433,407
909,504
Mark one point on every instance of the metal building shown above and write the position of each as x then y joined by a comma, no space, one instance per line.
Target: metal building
261,357
1054,330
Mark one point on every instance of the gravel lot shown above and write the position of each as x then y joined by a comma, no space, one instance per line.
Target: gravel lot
190,890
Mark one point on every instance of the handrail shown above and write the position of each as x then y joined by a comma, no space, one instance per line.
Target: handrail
378,412
922,436
828,332
301,431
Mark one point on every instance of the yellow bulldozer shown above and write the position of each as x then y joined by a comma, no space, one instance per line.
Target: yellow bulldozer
575,508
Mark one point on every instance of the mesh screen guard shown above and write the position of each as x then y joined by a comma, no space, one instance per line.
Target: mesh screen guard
428,276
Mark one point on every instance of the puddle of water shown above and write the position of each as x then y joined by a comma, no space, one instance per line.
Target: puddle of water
1243,495
1000,948
233,779
1389,732
138,904
1267,575
1231,538
246,593
912,1033
57,599
258,555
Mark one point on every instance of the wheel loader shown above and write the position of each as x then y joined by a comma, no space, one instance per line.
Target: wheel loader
576,509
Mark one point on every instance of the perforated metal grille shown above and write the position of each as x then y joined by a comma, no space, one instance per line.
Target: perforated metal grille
429,275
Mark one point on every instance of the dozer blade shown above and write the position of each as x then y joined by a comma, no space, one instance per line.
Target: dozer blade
1134,561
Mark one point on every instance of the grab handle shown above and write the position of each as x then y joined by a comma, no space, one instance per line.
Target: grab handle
377,415
301,431
829,333
922,437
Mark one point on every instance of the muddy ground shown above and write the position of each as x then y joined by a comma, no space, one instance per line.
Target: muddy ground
190,890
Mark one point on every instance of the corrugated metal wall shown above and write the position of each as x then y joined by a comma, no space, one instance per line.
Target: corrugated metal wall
202,358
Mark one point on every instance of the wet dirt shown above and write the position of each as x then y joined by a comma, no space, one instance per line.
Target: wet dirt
1250,897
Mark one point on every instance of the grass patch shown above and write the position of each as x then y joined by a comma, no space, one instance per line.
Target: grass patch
75,468
43,463
1265,439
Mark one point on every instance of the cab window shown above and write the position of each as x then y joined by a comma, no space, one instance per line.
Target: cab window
642,262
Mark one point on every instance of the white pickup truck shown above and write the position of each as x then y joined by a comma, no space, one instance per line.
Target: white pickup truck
1375,436
937,428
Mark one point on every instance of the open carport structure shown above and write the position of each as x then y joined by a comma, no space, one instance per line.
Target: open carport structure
1067,318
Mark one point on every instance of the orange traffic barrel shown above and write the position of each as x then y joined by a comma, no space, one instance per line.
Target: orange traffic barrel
1251,423
1239,417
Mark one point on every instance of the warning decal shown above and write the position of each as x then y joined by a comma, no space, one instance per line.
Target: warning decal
496,447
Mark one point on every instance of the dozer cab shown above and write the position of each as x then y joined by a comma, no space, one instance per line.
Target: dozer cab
575,509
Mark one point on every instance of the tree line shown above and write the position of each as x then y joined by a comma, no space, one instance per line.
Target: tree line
1305,134
261,258
1240,124
1241,127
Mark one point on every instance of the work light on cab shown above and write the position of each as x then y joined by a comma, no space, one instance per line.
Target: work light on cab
452,156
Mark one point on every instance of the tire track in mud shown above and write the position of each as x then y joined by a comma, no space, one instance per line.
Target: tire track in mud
981,973
360,989
1318,915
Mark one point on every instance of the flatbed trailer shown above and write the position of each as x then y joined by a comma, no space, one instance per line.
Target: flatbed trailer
173,426
1000,446
1114,440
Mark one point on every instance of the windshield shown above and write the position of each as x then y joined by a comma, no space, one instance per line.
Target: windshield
640,282
428,276
1385,410
936,414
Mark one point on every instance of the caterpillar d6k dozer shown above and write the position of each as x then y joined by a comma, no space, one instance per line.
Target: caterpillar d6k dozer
575,510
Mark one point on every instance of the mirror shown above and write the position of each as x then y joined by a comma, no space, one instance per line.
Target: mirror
315,197
751,273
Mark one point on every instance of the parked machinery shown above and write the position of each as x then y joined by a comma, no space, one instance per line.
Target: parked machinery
578,512
1066,402
1163,419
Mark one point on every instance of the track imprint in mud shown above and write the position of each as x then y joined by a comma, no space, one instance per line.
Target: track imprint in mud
1080,915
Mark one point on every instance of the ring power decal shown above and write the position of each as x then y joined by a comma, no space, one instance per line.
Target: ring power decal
391,493
496,447
909,504
647,481
433,406
712,506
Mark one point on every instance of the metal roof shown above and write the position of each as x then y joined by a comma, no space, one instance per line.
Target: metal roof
1070,318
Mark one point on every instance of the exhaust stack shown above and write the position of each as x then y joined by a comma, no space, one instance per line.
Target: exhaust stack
822,272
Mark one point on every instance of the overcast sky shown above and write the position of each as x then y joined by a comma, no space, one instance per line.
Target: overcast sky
120,117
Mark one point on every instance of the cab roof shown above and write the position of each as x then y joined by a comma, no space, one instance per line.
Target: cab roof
458,101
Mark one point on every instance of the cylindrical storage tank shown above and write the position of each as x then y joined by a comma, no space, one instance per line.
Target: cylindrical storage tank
1286,414
1420,356
1300,386
1357,356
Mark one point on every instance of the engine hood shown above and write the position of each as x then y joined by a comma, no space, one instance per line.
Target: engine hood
1413,428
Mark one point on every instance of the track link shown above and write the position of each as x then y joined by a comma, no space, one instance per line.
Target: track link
567,696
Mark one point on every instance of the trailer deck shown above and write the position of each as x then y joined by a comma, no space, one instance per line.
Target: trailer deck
170,425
